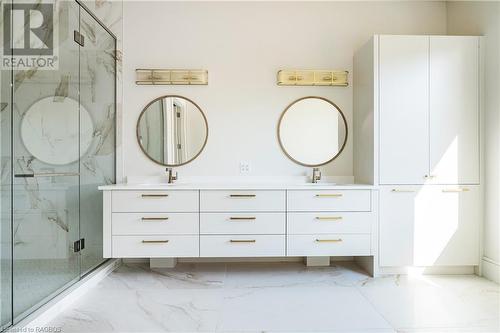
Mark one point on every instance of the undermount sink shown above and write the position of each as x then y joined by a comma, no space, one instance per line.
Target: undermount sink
160,184
317,184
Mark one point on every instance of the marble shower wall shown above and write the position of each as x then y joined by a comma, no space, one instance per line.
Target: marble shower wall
110,13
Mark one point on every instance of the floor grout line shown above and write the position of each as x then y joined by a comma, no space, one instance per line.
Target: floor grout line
375,308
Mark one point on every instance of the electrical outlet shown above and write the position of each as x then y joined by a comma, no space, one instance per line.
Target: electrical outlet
244,167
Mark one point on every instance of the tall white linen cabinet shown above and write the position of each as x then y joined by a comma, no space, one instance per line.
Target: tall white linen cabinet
417,135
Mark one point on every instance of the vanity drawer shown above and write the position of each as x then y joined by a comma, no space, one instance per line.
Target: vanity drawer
155,201
330,223
329,200
155,246
242,246
242,201
242,223
328,245
154,223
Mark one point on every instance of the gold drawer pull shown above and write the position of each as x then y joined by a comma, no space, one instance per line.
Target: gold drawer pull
242,241
455,190
154,195
328,218
329,240
402,190
238,218
154,218
336,195
242,195
154,241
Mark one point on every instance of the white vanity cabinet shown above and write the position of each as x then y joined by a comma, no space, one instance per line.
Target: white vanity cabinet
191,221
152,224
239,223
329,222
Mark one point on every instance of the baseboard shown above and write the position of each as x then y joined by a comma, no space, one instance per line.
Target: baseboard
42,316
438,270
491,270
233,260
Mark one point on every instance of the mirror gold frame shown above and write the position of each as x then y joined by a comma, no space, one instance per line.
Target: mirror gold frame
343,119
145,109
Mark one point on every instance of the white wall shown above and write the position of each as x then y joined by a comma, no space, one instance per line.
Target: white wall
243,44
483,18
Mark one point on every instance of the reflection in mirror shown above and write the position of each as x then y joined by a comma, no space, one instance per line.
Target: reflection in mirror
172,130
312,131
51,128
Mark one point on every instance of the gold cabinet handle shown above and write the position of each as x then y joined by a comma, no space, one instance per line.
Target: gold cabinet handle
455,190
154,195
328,218
402,190
154,218
154,241
334,195
329,240
242,195
242,240
242,218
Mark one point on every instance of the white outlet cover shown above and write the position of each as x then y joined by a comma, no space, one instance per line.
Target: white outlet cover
244,167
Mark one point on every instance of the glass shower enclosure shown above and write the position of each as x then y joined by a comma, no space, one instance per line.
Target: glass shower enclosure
57,144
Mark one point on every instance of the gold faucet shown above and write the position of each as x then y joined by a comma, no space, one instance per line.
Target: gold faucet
171,175
316,175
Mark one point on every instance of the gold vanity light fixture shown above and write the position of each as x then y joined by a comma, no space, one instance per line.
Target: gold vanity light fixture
171,76
309,77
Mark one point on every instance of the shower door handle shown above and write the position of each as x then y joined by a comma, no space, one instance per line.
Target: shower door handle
47,174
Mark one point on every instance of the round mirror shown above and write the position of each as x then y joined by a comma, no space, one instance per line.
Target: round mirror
172,130
51,130
312,131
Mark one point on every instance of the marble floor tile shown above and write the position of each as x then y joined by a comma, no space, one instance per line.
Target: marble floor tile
270,275
298,309
183,276
281,297
435,302
181,310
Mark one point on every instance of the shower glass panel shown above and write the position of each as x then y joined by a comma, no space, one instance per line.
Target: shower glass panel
46,151
97,165
57,144
5,192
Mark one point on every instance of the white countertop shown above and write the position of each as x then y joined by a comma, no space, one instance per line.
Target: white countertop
235,186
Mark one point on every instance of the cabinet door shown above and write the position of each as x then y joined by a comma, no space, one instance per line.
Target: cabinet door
429,225
404,109
446,233
454,109
398,209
